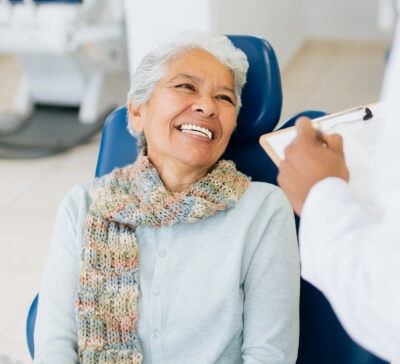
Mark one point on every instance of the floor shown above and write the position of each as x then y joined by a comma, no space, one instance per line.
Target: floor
329,76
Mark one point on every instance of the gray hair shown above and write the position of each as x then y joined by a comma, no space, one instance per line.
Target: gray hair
152,68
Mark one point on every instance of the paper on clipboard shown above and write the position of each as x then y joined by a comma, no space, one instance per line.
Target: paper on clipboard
359,142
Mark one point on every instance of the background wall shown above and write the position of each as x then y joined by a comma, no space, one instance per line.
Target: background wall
344,19
280,22
286,24
150,20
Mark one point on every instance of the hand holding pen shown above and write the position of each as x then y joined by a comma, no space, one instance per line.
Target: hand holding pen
310,158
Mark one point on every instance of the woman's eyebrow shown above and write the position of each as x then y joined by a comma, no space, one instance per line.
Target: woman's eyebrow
227,89
184,75
198,80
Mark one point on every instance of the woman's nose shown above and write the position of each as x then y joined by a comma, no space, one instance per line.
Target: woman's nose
206,106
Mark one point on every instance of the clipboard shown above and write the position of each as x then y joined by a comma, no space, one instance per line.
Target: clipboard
275,142
359,130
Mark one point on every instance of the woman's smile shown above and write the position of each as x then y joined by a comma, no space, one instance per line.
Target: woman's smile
196,130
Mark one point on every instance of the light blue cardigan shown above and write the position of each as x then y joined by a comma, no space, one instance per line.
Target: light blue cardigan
220,290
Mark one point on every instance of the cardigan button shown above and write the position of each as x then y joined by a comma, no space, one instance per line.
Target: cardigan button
156,292
162,253
155,334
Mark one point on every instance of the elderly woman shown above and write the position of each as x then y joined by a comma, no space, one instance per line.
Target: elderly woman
177,258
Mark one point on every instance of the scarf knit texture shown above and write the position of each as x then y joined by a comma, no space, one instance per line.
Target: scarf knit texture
108,287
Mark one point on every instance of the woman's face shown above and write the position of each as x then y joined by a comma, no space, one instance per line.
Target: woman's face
191,114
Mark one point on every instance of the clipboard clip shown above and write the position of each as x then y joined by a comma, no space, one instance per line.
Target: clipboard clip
368,114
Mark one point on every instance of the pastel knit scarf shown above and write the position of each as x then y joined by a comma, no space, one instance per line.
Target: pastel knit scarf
108,287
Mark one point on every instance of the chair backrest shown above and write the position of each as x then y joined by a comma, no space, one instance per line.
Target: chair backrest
30,325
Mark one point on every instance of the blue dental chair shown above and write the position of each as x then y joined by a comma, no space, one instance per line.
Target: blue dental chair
322,339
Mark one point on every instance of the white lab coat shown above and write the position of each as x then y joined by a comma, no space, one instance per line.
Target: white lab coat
353,258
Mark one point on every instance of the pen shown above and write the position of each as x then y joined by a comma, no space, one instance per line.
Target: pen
319,135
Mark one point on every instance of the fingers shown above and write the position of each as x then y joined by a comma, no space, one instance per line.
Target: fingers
305,129
288,174
304,126
311,157
334,142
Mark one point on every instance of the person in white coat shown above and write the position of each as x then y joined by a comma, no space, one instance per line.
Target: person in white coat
351,256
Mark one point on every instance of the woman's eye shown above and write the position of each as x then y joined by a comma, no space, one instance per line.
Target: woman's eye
225,98
187,86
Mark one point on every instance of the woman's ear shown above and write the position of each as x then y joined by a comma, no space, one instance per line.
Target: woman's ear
135,117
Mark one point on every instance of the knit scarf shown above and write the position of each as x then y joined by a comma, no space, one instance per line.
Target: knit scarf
108,287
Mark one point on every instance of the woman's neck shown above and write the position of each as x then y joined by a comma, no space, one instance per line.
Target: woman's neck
178,177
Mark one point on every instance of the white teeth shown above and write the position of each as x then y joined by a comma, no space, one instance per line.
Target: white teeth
195,129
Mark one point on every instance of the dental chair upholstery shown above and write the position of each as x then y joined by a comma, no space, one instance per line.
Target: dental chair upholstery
322,340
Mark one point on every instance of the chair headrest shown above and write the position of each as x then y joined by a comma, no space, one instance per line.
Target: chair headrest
262,94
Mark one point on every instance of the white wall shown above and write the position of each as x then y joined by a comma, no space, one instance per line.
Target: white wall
344,19
280,22
148,21
284,23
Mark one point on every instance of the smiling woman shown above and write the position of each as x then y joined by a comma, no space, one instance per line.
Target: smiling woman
218,262
189,118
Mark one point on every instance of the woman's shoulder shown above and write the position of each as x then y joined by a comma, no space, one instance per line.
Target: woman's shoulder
264,194
264,189
77,200
79,191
